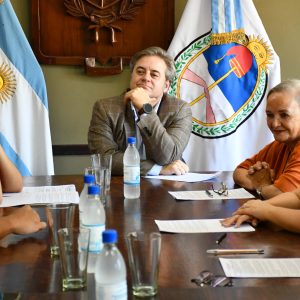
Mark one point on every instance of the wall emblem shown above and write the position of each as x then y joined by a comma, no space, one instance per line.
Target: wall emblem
104,14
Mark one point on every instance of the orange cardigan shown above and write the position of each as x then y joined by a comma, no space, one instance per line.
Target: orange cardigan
285,164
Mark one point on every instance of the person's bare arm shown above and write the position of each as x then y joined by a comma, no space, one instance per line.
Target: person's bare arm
286,218
284,214
10,178
269,191
242,178
287,200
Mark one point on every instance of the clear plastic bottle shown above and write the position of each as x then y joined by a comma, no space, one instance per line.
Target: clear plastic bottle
110,271
88,179
131,165
93,217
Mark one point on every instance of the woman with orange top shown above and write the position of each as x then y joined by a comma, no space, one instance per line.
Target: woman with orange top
276,168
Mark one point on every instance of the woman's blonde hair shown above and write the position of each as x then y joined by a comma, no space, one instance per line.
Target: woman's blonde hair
290,86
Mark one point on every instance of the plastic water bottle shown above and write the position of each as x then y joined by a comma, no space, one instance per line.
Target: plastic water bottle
89,179
131,164
110,272
93,217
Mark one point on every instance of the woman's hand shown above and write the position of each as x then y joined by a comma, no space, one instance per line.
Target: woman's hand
260,165
237,220
256,209
261,174
250,212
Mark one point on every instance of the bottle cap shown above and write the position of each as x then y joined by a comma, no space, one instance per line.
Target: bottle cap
109,236
89,178
93,190
131,140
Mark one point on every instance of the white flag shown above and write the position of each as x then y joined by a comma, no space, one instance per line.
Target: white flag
225,65
24,120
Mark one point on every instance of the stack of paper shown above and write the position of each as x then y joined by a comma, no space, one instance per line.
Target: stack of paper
261,267
211,195
188,177
42,195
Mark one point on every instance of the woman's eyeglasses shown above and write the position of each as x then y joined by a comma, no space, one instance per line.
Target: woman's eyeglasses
222,191
207,278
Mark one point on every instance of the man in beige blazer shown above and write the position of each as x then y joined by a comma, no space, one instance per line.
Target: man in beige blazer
161,123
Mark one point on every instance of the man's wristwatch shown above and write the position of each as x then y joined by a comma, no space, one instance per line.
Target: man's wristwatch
146,109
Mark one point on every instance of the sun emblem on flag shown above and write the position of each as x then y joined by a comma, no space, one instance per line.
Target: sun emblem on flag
261,51
8,83
224,83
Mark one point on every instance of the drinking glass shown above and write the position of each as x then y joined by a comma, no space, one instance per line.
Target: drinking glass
74,249
58,216
143,253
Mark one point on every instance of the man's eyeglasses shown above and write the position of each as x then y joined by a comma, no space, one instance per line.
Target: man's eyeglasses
207,278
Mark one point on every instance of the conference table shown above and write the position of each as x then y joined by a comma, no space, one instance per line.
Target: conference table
28,272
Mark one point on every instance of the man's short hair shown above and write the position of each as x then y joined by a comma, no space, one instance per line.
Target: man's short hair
291,86
156,51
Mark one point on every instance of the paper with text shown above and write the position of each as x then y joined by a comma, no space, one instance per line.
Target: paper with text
188,177
261,267
203,195
42,195
198,226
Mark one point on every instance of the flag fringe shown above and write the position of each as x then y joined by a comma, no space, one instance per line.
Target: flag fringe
235,36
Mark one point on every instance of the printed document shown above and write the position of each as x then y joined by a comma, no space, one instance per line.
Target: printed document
42,195
199,226
188,177
211,195
261,267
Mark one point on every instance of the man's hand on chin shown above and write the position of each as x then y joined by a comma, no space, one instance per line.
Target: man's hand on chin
138,96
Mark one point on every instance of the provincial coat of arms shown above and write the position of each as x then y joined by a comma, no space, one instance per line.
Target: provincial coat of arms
223,76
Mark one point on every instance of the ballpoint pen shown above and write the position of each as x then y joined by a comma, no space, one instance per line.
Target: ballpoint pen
221,238
234,251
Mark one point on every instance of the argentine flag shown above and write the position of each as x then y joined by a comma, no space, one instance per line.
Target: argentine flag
24,119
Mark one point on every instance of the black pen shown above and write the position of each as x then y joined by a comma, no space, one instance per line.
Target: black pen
221,238
209,193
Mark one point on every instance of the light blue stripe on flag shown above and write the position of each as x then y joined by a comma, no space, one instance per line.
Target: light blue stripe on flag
13,42
215,15
24,119
13,156
238,14
227,8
